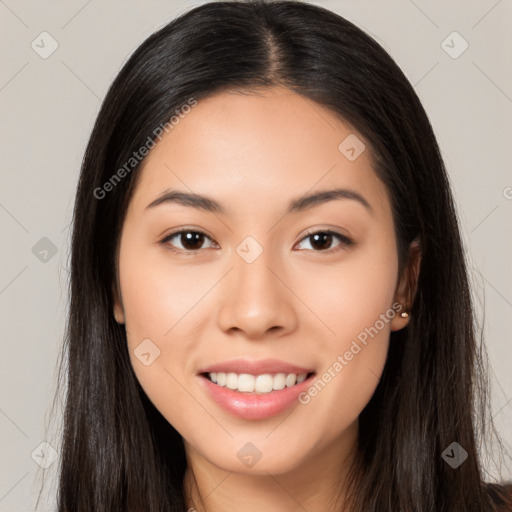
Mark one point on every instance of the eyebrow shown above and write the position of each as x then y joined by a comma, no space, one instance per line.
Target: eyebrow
208,204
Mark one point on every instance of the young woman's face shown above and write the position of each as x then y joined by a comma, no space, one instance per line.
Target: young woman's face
258,284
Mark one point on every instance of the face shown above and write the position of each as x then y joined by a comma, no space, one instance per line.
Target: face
246,278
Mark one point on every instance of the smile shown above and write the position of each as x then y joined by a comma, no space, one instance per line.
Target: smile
243,403
256,384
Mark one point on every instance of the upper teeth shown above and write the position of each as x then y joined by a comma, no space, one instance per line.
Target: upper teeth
259,383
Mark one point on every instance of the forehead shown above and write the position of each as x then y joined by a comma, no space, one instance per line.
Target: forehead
267,146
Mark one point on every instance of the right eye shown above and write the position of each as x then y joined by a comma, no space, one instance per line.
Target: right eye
190,240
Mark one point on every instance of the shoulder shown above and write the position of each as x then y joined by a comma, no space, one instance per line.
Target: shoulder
500,495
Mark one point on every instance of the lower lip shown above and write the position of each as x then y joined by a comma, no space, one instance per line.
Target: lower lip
253,406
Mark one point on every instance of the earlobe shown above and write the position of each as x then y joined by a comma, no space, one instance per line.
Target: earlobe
401,319
118,307
406,289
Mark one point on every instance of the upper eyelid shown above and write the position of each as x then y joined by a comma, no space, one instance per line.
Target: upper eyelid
186,230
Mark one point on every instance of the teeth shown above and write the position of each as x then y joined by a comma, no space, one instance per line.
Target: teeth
262,384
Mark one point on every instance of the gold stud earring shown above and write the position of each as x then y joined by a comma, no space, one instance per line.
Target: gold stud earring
404,314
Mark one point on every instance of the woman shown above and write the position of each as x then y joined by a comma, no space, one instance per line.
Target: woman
269,299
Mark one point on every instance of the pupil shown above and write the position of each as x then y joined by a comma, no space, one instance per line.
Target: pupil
321,236
192,238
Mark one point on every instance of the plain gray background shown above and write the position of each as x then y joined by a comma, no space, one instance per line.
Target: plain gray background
48,106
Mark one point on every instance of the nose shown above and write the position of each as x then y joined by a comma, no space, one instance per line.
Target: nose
257,300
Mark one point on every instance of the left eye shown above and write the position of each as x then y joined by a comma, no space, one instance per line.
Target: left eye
192,241
322,238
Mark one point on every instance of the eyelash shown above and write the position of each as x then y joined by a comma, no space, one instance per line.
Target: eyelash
345,241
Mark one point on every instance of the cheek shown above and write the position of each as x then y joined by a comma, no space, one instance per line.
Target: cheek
355,300
158,299
157,294
349,294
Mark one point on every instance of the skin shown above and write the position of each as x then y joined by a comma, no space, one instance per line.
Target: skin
254,153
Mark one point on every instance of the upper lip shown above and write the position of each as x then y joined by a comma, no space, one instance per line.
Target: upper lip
255,367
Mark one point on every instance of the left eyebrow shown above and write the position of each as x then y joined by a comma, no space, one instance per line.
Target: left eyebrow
297,205
318,198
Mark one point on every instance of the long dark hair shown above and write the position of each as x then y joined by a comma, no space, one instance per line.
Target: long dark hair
118,452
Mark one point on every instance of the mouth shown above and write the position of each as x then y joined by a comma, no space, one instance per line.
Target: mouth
257,384
257,396
255,389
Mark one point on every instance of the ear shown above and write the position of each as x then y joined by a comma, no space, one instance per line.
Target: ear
118,306
406,287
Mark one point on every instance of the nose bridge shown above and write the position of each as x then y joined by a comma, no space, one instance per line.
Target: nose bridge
252,271
257,300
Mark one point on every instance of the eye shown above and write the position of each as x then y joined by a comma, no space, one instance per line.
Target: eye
190,240
322,240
